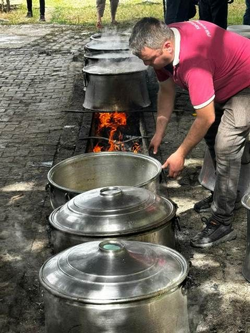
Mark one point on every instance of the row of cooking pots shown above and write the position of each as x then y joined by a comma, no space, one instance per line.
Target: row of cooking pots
109,194
124,275
114,79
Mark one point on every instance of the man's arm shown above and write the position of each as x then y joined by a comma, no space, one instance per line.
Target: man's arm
204,119
165,105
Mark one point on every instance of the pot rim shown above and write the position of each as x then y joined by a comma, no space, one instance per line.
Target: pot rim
70,159
95,56
157,293
118,234
133,71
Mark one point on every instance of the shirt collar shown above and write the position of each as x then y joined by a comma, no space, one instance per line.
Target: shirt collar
177,45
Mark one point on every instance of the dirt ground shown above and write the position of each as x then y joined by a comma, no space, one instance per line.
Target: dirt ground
41,86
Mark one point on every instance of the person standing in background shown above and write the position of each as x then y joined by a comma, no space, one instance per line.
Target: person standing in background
246,17
179,10
100,5
215,11
42,9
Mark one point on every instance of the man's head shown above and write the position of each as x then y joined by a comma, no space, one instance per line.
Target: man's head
153,42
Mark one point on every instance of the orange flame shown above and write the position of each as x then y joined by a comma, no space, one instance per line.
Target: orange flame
110,122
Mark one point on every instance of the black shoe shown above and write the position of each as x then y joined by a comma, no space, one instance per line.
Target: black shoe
205,204
213,234
42,18
29,14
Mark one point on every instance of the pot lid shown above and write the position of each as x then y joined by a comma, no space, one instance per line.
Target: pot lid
115,68
107,46
102,37
113,272
236,27
112,211
112,55
243,30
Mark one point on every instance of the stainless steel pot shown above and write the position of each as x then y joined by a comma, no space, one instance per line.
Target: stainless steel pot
116,87
107,37
94,47
243,30
246,265
113,212
93,170
115,287
109,58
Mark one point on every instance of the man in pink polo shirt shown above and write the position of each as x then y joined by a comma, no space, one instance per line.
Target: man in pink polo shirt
214,66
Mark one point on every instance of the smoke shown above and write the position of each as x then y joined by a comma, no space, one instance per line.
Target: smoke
108,53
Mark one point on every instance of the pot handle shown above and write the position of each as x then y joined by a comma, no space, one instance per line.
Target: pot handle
85,60
85,81
48,187
111,246
110,191
67,196
187,284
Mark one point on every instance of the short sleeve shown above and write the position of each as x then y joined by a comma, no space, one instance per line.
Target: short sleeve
199,81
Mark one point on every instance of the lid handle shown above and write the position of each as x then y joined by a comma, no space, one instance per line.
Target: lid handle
110,191
111,246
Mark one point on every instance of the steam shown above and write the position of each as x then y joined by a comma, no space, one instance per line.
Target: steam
120,61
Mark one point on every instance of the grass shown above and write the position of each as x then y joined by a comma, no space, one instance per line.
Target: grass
83,12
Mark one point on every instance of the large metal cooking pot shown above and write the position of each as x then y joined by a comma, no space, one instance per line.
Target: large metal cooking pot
107,37
246,265
108,58
116,87
93,170
113,212
94,47
115,287
243,30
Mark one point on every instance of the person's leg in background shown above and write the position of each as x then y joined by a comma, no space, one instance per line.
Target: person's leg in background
29,8
215,11
100,6
42,10
219,9
172,8
113,10
246,17
183,11
205,10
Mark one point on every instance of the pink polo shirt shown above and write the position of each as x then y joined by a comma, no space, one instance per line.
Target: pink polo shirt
210,62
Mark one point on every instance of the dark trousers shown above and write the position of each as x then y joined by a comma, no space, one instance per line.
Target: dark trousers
176,11
246,17
42,6
214,11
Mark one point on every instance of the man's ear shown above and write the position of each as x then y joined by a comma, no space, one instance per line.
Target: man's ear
168,46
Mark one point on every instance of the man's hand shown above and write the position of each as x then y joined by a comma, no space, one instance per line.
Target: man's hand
175,164
155,143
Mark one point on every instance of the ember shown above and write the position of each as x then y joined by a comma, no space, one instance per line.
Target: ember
112,128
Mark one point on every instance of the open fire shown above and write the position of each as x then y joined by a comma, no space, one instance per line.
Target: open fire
116,131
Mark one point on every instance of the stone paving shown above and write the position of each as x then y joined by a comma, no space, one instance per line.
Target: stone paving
40,82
